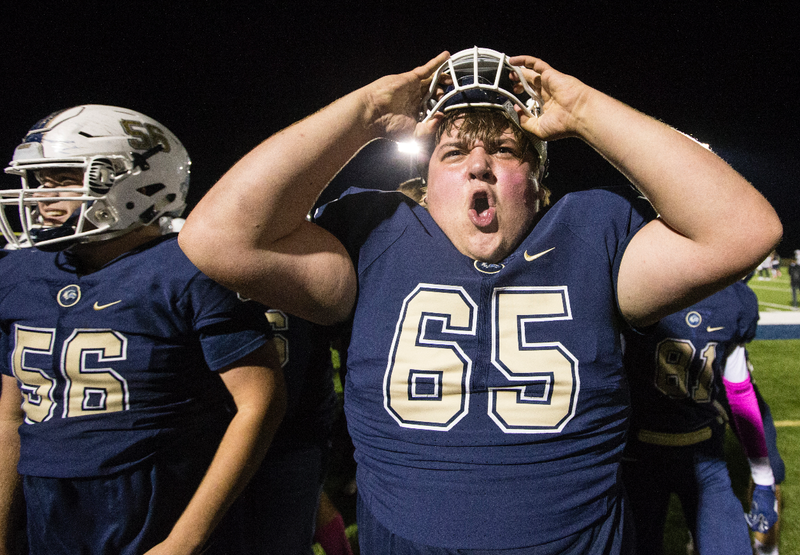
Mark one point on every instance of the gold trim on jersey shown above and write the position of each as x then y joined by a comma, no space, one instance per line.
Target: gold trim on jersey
674,440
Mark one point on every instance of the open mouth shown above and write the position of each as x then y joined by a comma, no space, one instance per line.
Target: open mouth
482,211
53,216
480,204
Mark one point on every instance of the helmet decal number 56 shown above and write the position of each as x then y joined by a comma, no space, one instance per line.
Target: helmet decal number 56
146,135
427,379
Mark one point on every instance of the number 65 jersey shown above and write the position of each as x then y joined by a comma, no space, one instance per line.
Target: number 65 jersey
487,402
118,365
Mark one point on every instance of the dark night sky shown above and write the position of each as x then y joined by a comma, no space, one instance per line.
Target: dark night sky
223,77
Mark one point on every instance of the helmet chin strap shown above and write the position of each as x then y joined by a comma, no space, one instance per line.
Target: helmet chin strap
66,231
112,234
42,234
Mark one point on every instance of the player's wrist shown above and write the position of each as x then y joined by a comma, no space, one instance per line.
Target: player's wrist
595,114
761,471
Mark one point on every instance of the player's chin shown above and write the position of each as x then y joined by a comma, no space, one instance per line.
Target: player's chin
50,222
489,249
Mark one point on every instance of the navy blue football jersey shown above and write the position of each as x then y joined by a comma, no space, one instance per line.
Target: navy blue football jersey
304,350
487,402
276,511
676,366
117,364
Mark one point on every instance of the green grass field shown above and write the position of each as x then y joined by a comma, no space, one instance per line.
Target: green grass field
777,371
774,294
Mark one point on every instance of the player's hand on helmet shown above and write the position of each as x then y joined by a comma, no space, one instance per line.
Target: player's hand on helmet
563,97
763,509
393,102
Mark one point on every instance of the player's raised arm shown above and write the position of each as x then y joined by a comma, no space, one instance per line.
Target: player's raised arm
714,226
250,233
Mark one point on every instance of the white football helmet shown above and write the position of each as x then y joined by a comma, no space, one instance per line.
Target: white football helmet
480,77
134,172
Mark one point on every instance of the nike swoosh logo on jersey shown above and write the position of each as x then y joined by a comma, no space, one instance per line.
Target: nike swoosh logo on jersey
530,258
710,329
98,306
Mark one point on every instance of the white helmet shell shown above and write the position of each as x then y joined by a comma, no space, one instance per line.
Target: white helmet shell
134,171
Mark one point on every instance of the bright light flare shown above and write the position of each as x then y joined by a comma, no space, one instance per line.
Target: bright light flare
409,147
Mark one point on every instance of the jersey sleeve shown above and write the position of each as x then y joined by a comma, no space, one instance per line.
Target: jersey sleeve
228,328
606,219
748,314
354,215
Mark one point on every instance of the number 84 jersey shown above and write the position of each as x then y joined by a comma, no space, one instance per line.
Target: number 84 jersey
489,393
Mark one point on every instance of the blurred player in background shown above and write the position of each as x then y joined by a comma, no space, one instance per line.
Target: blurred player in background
276,513
794,277
144,393
485,393
680,370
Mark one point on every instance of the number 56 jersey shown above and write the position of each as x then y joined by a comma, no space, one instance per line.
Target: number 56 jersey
487,402
118,365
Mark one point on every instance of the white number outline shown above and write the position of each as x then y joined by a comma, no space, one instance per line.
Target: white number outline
83,369
547,377
31,391
698,389
557,307
447,327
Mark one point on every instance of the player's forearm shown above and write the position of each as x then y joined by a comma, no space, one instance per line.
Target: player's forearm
238,456
10,483
747,421
10,488
695,192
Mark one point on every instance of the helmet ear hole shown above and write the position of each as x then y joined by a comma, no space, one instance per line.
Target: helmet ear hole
100,176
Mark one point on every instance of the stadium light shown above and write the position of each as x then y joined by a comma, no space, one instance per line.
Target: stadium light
409,147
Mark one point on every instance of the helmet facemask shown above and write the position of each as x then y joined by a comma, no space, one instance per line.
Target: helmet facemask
480,78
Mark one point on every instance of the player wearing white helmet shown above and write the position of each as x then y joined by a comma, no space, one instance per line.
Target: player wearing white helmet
115,170
138,395
485,394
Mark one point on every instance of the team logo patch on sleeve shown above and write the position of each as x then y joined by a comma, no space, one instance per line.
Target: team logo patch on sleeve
69,296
